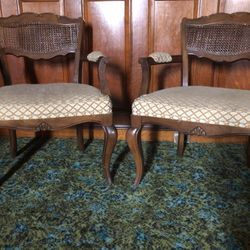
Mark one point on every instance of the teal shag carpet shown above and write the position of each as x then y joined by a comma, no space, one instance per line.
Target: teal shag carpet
59,199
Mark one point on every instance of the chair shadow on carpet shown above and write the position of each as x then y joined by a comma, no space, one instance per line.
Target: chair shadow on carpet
118,161
28,150
150,152
23,155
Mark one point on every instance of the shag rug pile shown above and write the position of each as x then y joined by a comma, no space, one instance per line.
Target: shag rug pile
59,199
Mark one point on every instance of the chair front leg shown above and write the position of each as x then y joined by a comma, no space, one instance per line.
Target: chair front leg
13,143
134,143
110,138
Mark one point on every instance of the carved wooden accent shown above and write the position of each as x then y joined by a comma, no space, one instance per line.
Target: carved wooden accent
43,127
198,131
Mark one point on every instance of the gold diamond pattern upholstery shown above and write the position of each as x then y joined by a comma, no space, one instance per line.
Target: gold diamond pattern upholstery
199,104
40,101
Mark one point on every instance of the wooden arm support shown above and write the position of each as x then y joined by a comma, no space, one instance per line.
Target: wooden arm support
99,58
4,70
146,63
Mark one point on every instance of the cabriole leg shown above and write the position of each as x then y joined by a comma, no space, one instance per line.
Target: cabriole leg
134,142
110,138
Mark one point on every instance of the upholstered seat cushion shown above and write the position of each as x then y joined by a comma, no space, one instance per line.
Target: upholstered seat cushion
38,101
197,104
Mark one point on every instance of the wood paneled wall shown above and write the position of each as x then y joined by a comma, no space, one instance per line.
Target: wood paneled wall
125,30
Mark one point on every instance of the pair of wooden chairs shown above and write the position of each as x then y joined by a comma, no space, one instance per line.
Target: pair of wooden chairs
187,109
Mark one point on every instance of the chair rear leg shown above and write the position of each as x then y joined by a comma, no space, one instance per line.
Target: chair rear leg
134,143
248,152
182,138
13,143
110,138
79,136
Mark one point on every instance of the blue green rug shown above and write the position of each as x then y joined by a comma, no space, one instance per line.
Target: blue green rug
59,199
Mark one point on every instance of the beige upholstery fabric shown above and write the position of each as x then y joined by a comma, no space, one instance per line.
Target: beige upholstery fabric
36,101
161,57
197,104
94,56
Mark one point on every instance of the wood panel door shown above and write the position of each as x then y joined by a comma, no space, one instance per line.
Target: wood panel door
108,21
125,30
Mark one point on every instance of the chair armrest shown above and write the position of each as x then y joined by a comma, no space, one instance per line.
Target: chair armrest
99,58
154,59
94,56
161,57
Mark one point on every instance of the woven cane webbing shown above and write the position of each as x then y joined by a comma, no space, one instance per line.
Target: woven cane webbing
218,39
39,38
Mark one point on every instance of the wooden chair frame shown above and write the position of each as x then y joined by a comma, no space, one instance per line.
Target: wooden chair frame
183,127
105,120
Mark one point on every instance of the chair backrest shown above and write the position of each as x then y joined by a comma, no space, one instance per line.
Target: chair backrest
42,36
218,37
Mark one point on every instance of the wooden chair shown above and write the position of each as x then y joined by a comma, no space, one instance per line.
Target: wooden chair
45,107
196,110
